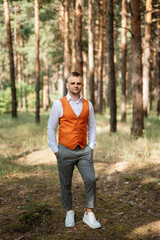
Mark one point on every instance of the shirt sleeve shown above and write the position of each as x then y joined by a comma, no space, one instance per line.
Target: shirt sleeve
55,114
91,127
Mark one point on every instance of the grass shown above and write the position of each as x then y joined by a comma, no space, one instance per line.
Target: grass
18,137
128,182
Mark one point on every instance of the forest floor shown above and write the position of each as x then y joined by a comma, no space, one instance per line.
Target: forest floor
128,184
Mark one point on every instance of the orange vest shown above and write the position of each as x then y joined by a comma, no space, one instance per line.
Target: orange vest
73,129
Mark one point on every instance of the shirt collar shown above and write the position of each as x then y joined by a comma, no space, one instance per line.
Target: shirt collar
70,98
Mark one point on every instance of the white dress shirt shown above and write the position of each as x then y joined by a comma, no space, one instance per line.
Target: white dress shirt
57,112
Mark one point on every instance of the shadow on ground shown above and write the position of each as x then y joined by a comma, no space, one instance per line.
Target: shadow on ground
127,203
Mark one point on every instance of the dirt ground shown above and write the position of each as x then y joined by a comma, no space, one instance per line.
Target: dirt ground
128,201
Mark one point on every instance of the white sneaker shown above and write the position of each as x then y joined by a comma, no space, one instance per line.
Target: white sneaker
69,221
90,220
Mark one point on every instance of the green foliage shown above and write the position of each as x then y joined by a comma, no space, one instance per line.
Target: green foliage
5,100
35,213
49,43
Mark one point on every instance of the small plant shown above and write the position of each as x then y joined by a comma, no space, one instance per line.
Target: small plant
35,214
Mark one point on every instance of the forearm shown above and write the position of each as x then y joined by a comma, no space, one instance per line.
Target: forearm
52,125
52,142
92,137
91,128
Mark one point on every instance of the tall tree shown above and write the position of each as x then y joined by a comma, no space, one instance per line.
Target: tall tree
66,44
90,51
20,59
36,8
15,40
73,68
137,122
111,67
61,83
101,54
11,58
61,20
124,53
79,60
45,83
157,81
146,58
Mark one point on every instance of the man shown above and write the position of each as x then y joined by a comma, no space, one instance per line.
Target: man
75,116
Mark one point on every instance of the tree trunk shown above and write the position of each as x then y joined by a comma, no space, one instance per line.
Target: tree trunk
157,81
96,61
124,52
20,65
61,21
101,55
146,59
79,60
85,88
111,67
45,84
11,58
73,68
90,51
66,45
19,58
36,5
15,41
137,124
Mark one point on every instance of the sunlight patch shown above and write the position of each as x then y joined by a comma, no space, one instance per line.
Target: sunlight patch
150,229
45,157
117,167
102,129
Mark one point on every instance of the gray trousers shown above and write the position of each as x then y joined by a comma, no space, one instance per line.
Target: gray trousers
83,159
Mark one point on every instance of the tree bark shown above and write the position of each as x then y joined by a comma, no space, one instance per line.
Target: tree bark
157,81
61,21
101,55
146,59
15,41
36,6
137,121
85,77
66,45
45,84
91,51
73,68
79,60
19,57
111,67
124,53
11,58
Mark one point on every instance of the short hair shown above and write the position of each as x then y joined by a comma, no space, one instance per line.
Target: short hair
74,74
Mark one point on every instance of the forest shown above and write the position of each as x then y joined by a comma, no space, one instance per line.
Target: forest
115,46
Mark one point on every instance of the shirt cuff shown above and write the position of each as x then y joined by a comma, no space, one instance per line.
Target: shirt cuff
55,149
91,145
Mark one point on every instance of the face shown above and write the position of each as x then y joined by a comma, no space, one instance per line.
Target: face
74,85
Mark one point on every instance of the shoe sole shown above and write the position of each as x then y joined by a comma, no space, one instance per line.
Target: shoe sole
90,225
70,225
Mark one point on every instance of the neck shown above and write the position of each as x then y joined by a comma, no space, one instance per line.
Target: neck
75,96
